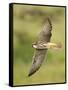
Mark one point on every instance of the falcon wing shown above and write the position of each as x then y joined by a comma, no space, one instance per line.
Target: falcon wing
39,54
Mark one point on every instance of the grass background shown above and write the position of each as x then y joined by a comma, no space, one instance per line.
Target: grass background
28,21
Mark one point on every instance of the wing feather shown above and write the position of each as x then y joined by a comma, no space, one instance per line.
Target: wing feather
40,54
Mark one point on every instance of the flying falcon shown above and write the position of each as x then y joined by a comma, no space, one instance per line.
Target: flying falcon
42,46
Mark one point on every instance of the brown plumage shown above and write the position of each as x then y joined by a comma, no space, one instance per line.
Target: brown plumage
40,54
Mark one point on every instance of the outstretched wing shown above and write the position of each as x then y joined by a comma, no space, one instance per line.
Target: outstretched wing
39,54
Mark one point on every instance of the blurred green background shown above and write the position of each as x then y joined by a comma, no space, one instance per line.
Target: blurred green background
28,21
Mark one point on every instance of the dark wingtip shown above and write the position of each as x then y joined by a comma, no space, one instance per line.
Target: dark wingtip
30,74
47,19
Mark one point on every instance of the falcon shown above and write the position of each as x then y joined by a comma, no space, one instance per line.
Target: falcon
42,45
